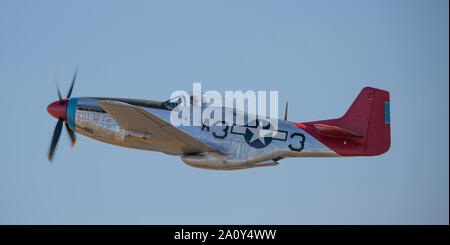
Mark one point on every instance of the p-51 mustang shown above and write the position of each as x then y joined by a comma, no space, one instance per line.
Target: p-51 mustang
364,130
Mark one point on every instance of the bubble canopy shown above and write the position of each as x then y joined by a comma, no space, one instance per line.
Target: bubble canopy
188,98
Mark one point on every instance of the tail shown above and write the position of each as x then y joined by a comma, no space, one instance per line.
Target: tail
364,130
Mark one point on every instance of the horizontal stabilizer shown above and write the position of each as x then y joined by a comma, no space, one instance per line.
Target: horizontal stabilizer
333,131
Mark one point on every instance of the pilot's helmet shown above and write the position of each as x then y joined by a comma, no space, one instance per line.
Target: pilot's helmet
194,100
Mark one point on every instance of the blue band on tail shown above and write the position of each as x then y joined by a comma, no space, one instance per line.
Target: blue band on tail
387,113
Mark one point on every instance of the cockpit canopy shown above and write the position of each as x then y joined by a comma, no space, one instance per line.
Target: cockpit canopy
184,100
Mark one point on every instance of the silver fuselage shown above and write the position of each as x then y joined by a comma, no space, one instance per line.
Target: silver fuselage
86,117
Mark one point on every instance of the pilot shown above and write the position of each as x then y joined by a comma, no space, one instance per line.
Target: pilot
193,100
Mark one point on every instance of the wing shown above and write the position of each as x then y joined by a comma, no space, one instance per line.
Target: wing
144,126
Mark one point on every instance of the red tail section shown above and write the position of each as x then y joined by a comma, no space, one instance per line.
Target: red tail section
364,130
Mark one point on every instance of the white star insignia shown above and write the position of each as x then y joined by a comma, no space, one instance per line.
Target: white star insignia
259,133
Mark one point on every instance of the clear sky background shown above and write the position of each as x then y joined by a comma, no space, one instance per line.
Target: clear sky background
317,54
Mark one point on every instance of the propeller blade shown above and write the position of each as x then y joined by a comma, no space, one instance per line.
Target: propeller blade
285,113
73,82
55,139
59,94
57,86
72,135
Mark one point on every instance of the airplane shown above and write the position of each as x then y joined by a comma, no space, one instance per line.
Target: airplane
364,130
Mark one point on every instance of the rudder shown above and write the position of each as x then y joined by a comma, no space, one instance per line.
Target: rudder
370,113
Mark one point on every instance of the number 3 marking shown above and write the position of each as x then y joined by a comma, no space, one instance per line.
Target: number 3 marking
302,142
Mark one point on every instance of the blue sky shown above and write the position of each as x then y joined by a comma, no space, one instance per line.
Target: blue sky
317,54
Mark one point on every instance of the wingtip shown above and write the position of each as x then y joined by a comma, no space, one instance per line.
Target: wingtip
74,143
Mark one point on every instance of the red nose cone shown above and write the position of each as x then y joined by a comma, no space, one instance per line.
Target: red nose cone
58,109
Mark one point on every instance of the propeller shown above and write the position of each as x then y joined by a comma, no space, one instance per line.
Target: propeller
58,110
